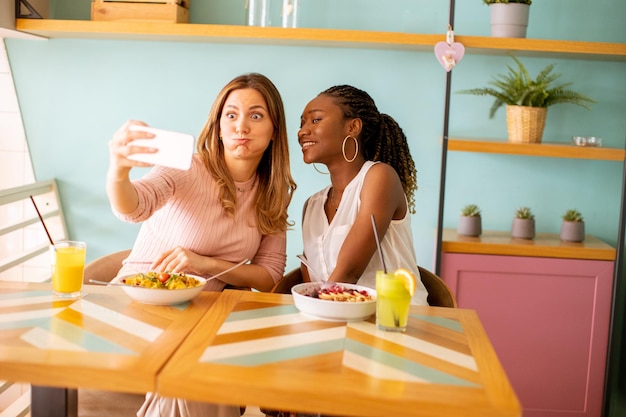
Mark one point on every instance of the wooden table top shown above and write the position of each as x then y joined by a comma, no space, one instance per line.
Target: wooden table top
255,348
103,340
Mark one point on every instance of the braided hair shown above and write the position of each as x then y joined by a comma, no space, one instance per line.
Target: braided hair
381,137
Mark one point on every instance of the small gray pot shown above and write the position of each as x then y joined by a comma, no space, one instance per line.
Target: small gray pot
509,20
469,226
523,228
573,231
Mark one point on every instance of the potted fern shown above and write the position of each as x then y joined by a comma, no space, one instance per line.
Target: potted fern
523,224
573,226
509,18
527,100
470,222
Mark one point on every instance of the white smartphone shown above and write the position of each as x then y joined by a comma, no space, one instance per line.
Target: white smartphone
175,148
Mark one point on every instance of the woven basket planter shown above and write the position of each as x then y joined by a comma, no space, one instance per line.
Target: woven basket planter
525,124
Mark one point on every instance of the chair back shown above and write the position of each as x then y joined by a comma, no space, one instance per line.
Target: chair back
291,278
439,295
106,267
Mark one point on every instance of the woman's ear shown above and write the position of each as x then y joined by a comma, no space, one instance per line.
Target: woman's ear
355,127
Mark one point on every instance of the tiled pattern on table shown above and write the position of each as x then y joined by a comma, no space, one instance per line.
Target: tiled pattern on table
57,324
250,337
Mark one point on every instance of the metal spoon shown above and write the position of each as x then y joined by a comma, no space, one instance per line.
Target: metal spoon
305,262
230,269
95,281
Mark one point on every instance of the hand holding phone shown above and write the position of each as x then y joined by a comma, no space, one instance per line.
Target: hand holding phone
175,149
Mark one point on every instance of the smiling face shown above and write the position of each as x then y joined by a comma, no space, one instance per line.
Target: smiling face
322,130
246,128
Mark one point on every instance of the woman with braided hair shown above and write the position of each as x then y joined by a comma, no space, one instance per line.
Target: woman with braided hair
371,173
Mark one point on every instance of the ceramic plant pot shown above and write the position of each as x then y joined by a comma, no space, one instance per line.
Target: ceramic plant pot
469,226
509,20
573,231
523,229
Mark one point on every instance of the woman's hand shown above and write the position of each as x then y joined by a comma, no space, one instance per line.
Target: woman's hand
179,260
120,148
120,190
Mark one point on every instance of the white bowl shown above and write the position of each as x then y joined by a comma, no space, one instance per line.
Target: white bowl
161,296
332,310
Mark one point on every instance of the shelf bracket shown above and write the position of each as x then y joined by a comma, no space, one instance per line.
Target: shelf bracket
32,12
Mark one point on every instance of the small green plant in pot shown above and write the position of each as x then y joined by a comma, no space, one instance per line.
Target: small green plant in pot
523,224
573,226
527,99
509,18
470,221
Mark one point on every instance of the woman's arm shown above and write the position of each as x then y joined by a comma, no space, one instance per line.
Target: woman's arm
382,196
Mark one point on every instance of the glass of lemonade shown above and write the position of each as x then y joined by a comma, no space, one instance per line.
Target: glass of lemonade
392,302
68,266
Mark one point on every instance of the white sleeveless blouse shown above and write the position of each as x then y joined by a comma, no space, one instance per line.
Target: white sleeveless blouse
322,241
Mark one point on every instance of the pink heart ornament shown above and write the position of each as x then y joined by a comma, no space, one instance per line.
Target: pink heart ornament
449,55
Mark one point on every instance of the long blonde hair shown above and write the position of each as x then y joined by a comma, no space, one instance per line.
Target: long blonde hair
275,183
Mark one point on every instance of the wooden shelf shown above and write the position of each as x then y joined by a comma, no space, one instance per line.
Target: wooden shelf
545,47
554,150
188,32
544,245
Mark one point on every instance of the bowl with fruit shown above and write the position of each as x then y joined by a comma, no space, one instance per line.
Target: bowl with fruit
334,301
161,288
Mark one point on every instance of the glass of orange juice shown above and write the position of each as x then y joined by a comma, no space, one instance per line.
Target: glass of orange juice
393,298
68,266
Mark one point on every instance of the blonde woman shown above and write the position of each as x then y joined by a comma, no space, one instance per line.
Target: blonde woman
231,205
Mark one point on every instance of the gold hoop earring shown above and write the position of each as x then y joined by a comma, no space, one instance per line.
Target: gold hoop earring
343,148
321,172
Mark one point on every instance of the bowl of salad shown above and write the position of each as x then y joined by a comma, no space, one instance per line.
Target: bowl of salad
334,301
161,288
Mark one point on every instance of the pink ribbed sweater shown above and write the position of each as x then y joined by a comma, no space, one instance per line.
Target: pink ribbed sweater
182,208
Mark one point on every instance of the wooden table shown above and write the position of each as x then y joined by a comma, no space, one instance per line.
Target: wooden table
103,340
255,348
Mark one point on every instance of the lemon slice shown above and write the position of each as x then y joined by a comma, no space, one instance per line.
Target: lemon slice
410,282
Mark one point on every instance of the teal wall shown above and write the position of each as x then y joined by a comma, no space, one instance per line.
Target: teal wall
75,93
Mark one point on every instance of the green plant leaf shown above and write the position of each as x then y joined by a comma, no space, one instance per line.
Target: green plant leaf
518,88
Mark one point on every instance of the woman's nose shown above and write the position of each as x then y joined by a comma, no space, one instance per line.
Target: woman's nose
241,127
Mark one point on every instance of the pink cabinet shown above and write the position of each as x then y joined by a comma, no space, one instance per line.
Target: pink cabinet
548,319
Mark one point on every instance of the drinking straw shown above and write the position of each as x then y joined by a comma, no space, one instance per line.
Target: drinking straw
380,250
42,222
